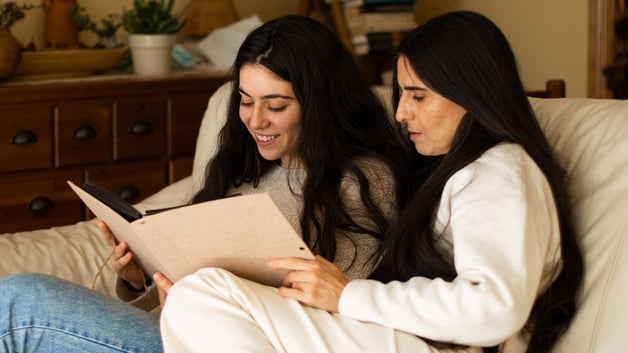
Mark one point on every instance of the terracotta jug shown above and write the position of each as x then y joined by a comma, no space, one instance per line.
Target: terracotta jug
61,29
10,54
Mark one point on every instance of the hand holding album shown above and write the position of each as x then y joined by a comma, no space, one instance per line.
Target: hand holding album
239,234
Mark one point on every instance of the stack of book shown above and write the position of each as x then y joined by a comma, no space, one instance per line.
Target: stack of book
377,26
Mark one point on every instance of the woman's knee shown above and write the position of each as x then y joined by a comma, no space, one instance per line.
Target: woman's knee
22,285
41,292
19,293
203,283
24,279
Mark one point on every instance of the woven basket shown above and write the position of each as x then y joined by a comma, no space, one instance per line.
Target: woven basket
10,54
206,15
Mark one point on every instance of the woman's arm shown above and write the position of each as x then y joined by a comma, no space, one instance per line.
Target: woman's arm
318,282
500,216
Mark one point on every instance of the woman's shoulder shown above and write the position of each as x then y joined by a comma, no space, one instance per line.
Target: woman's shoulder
502,156
507,159
503,163
371,163
374,169
380,183
379,176
507,152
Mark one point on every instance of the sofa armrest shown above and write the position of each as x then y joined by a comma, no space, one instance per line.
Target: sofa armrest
74,252
176,194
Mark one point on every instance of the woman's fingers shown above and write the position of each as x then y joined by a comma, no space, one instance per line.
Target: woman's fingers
317,282
107,234
121,249
122,257
163,284
293,263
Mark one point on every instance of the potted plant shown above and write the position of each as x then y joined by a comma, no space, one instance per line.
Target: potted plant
152,28
10,48
106,31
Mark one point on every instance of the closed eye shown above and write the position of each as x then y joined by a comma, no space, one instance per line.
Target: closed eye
418,98
278,109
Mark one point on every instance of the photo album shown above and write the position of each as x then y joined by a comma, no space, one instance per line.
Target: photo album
239,234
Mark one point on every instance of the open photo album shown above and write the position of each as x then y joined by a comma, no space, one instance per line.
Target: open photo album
239,234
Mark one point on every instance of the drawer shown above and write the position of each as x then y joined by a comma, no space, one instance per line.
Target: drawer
36,201
132,181
140,128
25,137
83,132
186,114
179,168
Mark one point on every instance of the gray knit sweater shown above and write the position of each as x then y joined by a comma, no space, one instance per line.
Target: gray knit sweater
355,252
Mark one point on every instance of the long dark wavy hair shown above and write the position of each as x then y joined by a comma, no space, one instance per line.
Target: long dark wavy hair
466,58
342,120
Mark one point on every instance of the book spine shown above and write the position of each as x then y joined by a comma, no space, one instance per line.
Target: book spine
366,3
365,22
376,42
379,8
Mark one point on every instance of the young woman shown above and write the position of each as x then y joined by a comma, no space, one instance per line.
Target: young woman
482,258
303,126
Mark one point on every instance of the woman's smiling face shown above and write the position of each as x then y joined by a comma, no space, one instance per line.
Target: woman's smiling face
271,113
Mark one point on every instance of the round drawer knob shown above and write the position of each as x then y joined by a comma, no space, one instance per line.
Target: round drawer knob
24,137
40,204
140,127
84,132
129,192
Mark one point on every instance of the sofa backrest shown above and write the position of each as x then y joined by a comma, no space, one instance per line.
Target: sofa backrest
590,138
207,142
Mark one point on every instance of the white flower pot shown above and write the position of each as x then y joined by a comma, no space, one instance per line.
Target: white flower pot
151,53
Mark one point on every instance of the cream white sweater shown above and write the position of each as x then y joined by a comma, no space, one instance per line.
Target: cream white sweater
499,220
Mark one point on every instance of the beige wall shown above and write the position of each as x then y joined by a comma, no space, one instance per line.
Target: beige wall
266,9
31,28
548,37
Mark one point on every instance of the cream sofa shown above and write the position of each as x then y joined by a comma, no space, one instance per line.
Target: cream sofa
591,140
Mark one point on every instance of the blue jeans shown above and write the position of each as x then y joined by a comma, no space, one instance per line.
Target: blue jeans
40,313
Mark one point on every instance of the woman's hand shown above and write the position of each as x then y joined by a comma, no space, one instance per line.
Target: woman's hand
163,284
122,259
317,283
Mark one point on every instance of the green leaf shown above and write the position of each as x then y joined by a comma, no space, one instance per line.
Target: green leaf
153,17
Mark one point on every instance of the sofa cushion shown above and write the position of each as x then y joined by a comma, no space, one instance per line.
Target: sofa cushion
75,252
590,138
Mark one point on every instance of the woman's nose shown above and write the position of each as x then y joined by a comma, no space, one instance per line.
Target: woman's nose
257,118
402,114
399,116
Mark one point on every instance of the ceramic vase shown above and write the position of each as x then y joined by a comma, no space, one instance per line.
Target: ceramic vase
151,53
61,29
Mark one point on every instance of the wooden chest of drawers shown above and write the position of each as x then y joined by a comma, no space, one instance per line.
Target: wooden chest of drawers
131,135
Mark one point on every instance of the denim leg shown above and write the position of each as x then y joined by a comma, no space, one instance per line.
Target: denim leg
40,313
